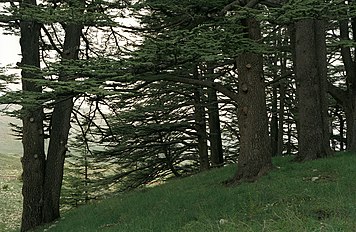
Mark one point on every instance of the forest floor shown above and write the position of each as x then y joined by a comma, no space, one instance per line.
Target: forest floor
10,192
311,196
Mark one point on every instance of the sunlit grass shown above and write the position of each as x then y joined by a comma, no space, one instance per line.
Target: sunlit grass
314,196
10,192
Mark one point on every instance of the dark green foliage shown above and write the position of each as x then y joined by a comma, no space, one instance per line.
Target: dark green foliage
292,11
152,137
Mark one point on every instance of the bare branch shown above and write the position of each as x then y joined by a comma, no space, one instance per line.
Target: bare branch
50,39
210,84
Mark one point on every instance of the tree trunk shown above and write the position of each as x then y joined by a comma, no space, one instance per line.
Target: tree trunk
255,149
289,145
216,156
33,160
310,67
274,122
352,96
282,95
341,119
281,118
200,125
59,132
349,103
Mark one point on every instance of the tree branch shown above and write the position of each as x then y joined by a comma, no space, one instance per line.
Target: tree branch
7,1
51,40
338,94
210,84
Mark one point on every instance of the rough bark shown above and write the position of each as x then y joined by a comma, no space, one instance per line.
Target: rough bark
59,132
33,160
310,67
255,150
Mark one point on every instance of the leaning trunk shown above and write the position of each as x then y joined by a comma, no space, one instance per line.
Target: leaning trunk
59,132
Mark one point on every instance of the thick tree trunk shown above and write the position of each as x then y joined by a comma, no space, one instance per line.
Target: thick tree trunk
33,160
255,149
310,66
59,132
216,156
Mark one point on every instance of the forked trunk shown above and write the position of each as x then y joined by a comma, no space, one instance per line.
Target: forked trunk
59,131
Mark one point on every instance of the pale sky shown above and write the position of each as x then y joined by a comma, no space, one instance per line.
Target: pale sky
9,49
9,55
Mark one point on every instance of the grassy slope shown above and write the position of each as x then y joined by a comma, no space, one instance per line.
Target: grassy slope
314,196
10,192
9,144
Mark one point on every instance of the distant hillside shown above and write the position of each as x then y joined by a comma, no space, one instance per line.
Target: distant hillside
8,143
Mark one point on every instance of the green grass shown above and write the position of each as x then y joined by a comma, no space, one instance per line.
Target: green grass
313,196
10,192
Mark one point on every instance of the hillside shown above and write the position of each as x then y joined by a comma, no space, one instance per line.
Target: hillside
10,192
8,143
314,196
